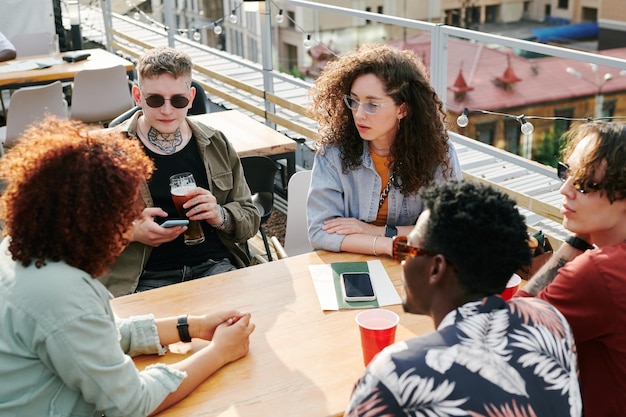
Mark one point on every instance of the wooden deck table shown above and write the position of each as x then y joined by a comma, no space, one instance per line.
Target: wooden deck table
302,362
251,137
63,71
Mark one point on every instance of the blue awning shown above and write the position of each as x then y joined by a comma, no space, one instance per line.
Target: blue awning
576,31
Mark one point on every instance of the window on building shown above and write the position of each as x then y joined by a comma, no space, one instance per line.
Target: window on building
292,57
512,134
291,17
563,4
379,10
485,132
608,108
590,14
562,126
492,14
368,9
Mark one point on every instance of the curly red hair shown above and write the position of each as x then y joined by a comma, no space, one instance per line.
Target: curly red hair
71,194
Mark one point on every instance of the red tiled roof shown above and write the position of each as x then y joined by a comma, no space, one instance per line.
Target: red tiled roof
541,79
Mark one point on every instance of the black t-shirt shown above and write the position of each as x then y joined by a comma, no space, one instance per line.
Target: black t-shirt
175,254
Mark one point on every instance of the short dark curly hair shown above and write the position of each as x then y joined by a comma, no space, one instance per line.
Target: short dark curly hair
479,231
421,143
609,148
71,194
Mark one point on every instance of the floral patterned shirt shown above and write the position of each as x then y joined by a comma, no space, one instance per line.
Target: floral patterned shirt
487,358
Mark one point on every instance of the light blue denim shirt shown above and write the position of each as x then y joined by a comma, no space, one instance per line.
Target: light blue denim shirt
356,194
62,351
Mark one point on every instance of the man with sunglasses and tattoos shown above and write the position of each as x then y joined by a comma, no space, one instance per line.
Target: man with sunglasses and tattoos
158,256
586,277
487,357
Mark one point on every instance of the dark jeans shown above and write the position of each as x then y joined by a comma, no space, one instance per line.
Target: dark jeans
155,279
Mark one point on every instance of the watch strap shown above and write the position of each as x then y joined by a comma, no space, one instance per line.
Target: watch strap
183,329
578,243
391,231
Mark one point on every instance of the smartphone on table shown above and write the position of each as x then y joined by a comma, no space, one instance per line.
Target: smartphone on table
174,222
357,286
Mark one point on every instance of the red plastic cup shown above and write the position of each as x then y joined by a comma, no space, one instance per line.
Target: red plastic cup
511,287
378,330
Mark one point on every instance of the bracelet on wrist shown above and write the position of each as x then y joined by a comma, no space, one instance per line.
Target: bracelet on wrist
374,245
578,243
224,219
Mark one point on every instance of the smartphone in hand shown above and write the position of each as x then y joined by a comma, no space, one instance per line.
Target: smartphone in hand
175,222
357,286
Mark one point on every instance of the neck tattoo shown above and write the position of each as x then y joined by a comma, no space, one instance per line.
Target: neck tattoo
165,142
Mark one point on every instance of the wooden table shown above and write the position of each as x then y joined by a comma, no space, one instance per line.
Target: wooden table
64,71
302,362
251,137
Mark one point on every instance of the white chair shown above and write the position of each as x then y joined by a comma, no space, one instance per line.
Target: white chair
27,44
296,234
28,105
100,95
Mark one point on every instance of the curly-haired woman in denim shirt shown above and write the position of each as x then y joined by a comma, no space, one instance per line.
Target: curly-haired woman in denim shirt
382,138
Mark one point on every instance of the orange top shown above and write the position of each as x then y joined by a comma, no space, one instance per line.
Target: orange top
381,163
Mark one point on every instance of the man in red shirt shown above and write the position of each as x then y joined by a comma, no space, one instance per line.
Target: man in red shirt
586,277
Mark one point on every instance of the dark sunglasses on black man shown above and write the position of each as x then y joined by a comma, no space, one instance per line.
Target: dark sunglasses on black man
156,100
562,171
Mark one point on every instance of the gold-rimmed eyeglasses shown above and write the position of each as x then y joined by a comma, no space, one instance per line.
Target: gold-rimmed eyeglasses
401,250
369,107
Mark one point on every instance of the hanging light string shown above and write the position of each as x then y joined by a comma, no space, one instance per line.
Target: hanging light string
216,25
461,121
232,18
526,126
309,41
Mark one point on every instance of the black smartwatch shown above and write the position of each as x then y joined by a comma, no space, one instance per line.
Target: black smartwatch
391,231
183,329
578,243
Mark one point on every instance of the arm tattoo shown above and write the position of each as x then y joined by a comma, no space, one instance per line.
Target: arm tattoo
544,277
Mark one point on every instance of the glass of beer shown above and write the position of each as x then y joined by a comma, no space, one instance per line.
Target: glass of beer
181,184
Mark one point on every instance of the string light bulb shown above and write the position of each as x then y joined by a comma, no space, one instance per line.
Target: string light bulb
217,30
527,127
136,16
280,17
463,120
233,17
197,36
307,42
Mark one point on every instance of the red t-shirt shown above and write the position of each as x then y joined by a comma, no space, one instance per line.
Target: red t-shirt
590,291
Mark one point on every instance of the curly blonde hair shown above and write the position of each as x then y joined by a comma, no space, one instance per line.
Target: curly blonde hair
71,194
421,144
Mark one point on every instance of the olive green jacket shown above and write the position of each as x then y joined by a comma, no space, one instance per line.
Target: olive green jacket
226,182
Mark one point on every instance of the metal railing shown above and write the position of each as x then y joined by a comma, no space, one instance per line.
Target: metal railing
440,34
284,106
